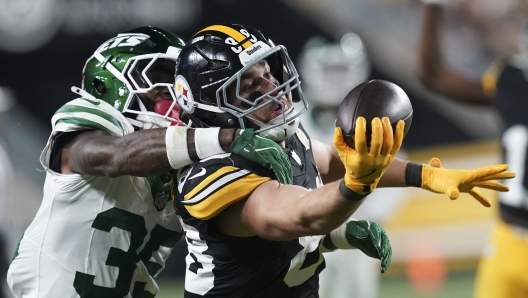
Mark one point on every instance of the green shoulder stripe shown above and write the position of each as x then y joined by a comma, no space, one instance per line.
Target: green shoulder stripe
81,114
80,123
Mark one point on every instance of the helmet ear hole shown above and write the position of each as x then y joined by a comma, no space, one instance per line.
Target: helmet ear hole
99,86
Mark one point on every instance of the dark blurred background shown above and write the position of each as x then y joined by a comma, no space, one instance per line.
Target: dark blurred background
45,43
41,60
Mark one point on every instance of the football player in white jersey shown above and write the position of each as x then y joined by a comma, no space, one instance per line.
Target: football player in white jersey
249,235
104,228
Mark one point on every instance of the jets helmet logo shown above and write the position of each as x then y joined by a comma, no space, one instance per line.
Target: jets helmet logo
123,40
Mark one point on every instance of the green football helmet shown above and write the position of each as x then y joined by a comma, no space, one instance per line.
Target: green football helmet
119,73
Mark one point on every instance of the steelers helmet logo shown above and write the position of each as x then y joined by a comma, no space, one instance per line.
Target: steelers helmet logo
183,94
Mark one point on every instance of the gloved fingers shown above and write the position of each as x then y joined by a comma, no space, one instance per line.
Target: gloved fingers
360,136
386,260
279,164
488,171
356,230
398,137
479,197
242,139
502,175
492,185
386,252
377,236
388,137
339,141
376,142
247,133
435,162
275,154
288,172
452,192
275,167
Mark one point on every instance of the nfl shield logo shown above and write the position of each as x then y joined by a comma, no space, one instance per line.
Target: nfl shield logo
161,200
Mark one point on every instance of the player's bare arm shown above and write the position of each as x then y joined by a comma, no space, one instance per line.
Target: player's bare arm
142,153
432,71
281,212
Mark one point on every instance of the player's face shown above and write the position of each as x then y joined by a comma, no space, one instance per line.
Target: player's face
255,82
156,75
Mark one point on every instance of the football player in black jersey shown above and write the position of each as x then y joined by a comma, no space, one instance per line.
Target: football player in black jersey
249,235
501,272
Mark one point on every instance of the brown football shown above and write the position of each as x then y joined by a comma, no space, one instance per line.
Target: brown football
375,98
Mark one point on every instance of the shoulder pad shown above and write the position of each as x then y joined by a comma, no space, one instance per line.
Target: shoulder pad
217,182
82,113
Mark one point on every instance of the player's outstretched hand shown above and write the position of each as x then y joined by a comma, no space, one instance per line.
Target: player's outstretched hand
371,239
452,182
264,152
364,166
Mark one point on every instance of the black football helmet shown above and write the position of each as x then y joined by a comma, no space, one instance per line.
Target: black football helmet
216,58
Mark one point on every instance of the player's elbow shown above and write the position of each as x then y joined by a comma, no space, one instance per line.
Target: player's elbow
120,166
295,228
316,226
113,166
113,173
111,170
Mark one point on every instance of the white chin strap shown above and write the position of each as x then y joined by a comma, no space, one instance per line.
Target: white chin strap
145,121
280,132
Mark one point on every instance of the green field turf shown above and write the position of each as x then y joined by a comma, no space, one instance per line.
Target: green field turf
459,284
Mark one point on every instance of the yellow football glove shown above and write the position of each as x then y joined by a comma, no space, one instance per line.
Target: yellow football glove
364,166
452,182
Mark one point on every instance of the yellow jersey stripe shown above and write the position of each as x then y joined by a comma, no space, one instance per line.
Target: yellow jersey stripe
214,176
239,37
224,196
223,190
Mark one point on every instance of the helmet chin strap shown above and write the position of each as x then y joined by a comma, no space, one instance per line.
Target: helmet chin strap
82,93
280,132
144,120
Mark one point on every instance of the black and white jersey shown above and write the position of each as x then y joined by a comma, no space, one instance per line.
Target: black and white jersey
224,266
512,103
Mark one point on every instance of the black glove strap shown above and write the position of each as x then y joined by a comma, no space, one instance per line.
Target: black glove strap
349,194
413,175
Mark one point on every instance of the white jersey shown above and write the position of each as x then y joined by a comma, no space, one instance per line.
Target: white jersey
94,236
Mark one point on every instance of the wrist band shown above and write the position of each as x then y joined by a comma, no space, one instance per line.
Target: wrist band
176,143
206,142
338,236
349,194
413,174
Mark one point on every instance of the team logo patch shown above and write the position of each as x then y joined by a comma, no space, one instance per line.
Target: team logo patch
183,94
303,138
161,200
123,40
